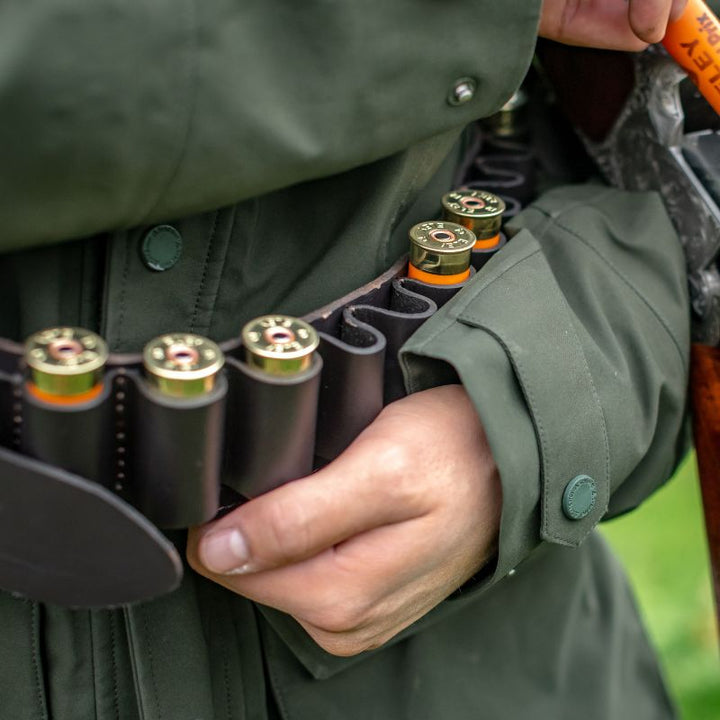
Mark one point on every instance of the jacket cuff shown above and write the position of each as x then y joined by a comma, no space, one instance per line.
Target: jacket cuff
515,385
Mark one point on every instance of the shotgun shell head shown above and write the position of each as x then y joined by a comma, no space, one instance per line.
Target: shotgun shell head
279,344
440,248
477,210
511,121
65,362
182,365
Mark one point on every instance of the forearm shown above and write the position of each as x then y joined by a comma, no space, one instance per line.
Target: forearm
573,346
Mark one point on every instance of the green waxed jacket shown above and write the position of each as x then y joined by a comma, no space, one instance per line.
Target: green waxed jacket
292,145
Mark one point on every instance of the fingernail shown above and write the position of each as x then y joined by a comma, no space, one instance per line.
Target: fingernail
224,552
677,9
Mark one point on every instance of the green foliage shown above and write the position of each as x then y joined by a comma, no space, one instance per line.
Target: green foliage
664,549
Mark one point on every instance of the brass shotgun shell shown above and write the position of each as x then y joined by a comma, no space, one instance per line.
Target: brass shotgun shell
512,120
66,364
440,252
477,210
182,365
279,344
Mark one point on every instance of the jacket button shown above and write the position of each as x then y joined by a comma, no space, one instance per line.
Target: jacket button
161,247
579,497
463,91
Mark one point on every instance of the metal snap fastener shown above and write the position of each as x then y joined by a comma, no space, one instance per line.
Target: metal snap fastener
463,91
161,247
579,497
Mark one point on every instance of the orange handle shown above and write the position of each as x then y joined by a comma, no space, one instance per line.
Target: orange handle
694,42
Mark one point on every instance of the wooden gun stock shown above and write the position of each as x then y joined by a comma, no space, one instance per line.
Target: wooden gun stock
705,398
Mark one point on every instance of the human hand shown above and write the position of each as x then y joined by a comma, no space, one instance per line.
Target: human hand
609,24
364,547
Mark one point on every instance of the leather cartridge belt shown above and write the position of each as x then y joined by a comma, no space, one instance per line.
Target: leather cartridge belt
84,488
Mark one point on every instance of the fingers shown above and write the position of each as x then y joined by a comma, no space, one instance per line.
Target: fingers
357,492
370,543
649,18
386,476
677,9
367,615
608,24
359,594
336,589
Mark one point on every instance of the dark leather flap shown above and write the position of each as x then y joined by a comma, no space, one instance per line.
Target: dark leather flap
69,541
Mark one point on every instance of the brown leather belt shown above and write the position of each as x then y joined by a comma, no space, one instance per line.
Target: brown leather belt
84,487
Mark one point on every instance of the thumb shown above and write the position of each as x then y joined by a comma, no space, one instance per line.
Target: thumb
677,9
355,493
649,18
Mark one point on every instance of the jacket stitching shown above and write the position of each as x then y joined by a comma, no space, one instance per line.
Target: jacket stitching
472,316
129,615
542,435
151,664
490,281
227,234
537,421
401,208
123,293
649,305
190,92
276,686
93,667
583,203
203,278
37,672
240,683
225,662
593,388
472,293
527,390
623,277
114,666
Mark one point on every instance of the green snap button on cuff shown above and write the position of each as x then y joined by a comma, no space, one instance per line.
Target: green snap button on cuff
161,247
579,497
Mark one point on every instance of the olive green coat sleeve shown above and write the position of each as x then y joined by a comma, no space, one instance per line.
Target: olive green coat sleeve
573,345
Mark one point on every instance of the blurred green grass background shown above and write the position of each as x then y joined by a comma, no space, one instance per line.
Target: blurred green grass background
664,549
